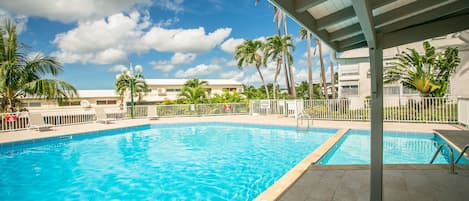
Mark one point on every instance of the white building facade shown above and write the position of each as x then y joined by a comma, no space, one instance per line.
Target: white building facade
354,69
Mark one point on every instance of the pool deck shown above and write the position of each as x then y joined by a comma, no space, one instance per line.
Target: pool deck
401,183
310,182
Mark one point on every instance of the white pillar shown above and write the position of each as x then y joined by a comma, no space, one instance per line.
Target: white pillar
376,165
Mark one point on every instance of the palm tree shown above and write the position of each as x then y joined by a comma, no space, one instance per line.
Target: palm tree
22,76
429,73
280,17
248,53
323,72
194,91
276,48
139,86
306,34
196,82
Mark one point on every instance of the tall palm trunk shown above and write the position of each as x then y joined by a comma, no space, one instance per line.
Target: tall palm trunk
310,67
291,80
323,73
263,81
277,72
332,80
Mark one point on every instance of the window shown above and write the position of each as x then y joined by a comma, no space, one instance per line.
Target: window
349,90
31,104
173,90
69,102
230,89
391,90
106,102
407,91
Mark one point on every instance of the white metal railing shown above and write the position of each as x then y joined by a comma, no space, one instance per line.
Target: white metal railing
202,109
436,110
463,111
14,121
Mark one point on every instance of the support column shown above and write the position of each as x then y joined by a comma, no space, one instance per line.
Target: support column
376,165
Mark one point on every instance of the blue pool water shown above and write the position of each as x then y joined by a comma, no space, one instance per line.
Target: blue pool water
209,161
398,148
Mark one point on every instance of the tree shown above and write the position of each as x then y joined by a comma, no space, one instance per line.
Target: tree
275,49
280,16
124,80
249,53
428,73
322,69
332,80
227,97
306,34
196,82
193,92
22,76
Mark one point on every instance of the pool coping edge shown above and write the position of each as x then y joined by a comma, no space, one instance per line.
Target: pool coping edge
287,180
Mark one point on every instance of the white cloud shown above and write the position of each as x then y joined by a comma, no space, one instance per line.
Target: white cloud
176,59
172,5
111,40
118,68
230,45
163,66
232,75
20,20
199,70
181,58
183,40
70,10
167,22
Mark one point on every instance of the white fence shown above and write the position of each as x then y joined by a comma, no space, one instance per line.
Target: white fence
463,111
436,110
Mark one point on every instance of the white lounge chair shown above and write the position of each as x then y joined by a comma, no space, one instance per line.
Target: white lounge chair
151,113
36,121
101,116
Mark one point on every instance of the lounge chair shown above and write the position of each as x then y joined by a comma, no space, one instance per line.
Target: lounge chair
101,116
151,113
36,121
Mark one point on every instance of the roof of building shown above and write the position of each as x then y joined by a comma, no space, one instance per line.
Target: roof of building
98,93
182,81
350,24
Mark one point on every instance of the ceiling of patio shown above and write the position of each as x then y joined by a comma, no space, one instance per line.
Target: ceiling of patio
350,24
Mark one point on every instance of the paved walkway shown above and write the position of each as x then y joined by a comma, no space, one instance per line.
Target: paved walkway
404,183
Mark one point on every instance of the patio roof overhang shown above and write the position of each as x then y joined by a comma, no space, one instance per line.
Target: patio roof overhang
351,24
376,24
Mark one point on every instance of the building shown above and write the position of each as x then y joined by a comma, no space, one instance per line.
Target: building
160,90
169,89
87,99
354,69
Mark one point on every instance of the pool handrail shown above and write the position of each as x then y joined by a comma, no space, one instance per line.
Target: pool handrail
451,159
461,154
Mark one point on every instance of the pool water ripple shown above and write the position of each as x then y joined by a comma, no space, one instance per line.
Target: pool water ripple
165,162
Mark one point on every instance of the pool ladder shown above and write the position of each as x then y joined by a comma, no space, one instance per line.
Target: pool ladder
451,159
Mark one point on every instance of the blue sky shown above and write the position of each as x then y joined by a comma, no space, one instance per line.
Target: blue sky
95,39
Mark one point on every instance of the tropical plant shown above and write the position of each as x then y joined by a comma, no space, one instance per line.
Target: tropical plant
275,49
126,79
193,92
306,34
333,90
248,53
428,73
22,75
195,82
226,97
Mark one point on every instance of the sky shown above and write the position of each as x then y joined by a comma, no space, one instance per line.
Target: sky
96,39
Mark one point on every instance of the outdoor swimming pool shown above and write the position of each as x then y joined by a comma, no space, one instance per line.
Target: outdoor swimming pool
398,148
204,161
